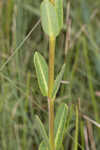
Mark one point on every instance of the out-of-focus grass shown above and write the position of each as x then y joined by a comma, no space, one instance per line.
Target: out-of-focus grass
20,98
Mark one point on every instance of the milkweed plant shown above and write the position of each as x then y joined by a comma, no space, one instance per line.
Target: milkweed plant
52,23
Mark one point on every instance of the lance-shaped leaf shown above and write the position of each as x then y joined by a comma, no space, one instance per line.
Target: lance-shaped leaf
43,146
42,73
59,9
49,18
59,125
41,129
57,82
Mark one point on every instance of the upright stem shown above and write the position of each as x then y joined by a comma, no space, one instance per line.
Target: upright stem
51,123
50,88
51,65
52,1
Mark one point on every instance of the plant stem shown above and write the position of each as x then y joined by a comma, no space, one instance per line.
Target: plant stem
51,123
50,88
51,65
52,1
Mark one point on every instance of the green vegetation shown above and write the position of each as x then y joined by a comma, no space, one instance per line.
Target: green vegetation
68,33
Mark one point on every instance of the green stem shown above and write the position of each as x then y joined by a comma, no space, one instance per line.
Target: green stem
51,65
51,123
52,1
50,88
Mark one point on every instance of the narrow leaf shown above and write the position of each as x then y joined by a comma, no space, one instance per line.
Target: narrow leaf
59,126
57,82
43,146
41,129
42,73
76,131
82,133
49,18
70,115
59,9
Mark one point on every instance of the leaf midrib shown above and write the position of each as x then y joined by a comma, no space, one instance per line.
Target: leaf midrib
59,129
46,87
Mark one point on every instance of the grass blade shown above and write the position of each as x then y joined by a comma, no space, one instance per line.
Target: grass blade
43,146
76,131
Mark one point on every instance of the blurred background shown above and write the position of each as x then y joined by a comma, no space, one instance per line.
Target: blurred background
20,98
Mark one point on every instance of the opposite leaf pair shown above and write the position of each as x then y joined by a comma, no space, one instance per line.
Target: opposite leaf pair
42,75
52,17
59,128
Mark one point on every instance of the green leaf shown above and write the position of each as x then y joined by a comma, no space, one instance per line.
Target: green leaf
82,132
49,18
43,146
70,115
59,9
76,131
42,73
59,125
57,82
41,129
